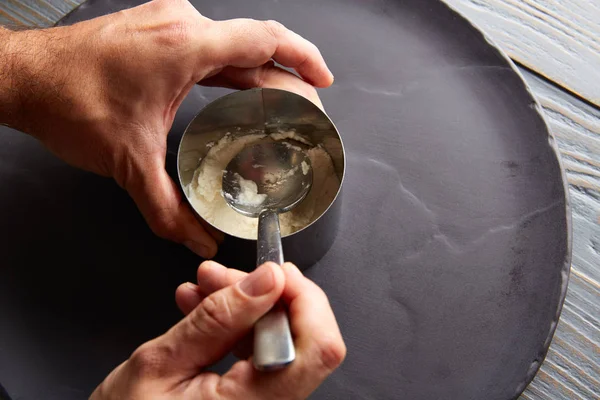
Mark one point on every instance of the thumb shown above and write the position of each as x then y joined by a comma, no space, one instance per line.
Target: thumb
213,328
169,217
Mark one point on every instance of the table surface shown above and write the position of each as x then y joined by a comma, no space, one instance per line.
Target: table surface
556,45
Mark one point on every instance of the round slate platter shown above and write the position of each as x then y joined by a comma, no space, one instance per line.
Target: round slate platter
451,264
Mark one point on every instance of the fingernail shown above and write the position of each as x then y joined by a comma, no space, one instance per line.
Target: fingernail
198,248
259,282
191,286
330,74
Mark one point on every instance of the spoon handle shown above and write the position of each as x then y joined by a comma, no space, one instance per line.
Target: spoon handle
269,239
273,344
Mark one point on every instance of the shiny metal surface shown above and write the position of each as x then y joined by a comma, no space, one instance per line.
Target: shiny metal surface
273,343
267,111
281,171
242,113
282,175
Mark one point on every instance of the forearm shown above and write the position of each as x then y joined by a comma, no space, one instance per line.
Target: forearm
9,94
31,73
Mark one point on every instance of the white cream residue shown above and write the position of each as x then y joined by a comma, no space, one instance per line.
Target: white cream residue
204,192
248,194
291,135
305,167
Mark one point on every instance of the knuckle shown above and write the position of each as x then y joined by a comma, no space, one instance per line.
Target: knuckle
331,353
172,4
227,388
268,38
213,316
176,34
163,224
209,388
264,52
274,28
150,360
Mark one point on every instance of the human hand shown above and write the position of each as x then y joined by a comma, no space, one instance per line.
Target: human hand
221,311
102,94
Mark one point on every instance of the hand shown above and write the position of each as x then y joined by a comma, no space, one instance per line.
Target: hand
221,311
102,94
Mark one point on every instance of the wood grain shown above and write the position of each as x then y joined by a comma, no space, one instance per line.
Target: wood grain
559,39
561,42
34,13
572,366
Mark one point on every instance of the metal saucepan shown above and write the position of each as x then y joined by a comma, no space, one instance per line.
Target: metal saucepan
270,111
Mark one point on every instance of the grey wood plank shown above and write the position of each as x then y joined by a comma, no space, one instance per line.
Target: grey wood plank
572,367
559,39
34,13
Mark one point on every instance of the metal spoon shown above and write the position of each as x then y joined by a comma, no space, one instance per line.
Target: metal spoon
262,181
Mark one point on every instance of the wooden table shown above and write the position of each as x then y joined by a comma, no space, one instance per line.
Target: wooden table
556,44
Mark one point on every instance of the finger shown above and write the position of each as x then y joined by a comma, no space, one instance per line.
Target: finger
166,213
318,337
320,348
248,43
214,232
215,325
187,297
265,76
212,276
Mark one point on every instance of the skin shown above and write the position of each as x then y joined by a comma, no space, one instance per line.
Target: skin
102,95
219,319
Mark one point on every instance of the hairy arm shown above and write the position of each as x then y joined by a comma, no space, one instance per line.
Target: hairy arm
102,94
30,81
8,81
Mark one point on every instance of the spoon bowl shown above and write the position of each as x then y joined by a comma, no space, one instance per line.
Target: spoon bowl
268,111
273,176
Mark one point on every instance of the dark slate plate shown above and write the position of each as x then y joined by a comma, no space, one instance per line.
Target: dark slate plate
450,269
